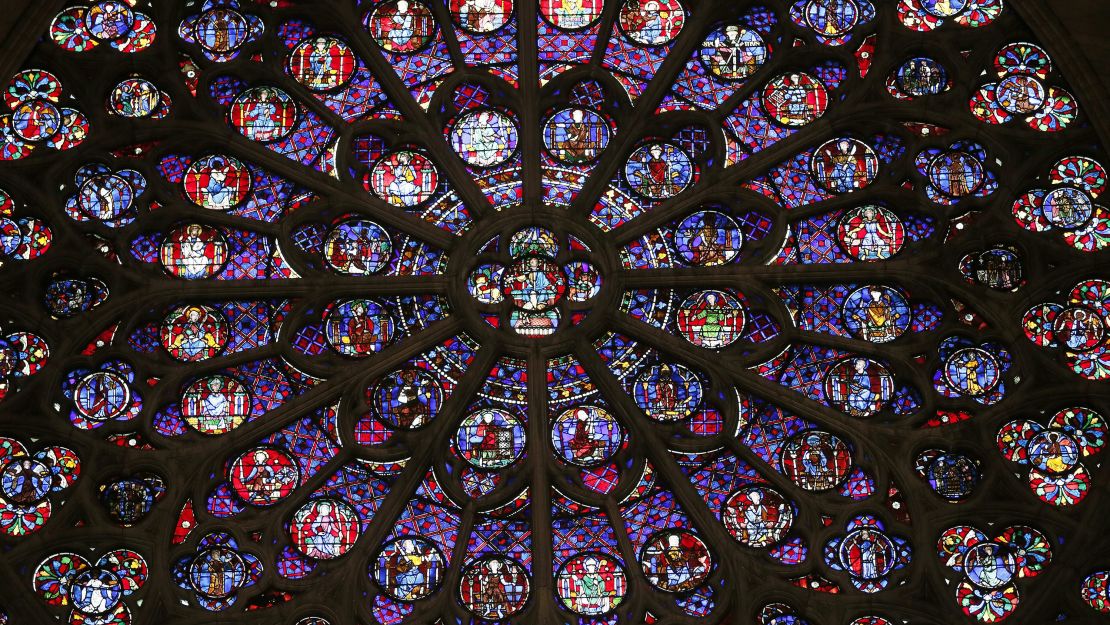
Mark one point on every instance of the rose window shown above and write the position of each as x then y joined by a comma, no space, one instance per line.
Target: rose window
597,312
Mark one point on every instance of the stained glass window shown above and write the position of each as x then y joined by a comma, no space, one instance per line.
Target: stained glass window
369,312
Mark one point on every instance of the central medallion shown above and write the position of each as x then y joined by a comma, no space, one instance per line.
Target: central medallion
534,284
541,281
